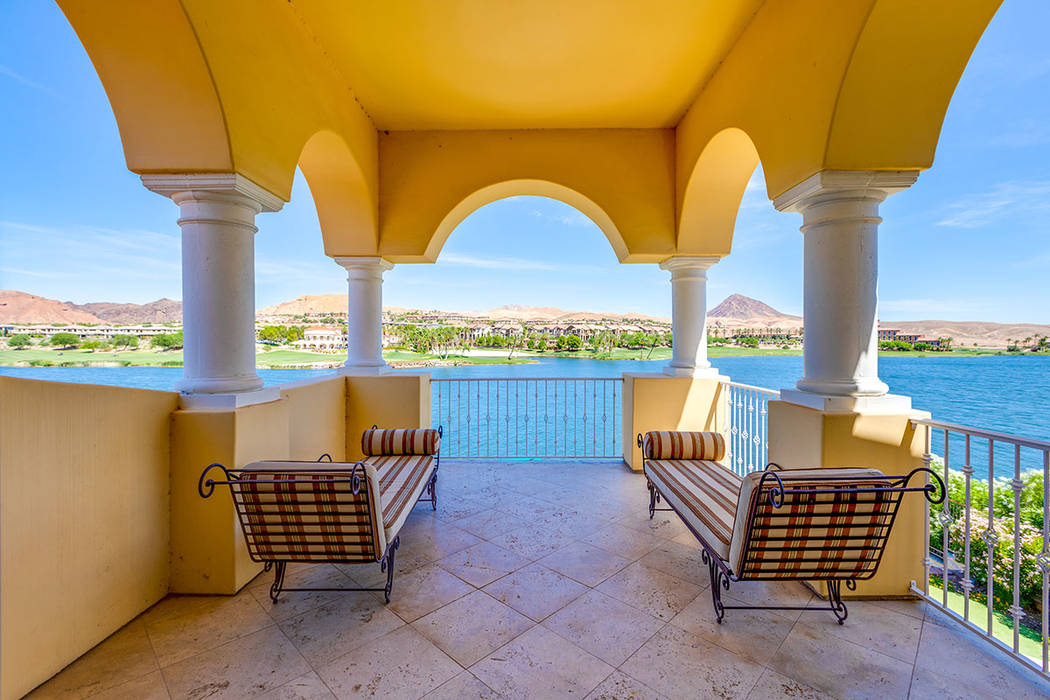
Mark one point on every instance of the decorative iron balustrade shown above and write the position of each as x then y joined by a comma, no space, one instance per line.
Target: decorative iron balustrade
509,418
744,411
993,547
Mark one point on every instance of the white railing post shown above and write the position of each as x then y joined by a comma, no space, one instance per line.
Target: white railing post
1023,460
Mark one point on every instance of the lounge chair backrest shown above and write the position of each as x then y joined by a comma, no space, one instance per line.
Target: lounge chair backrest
400,441
293,511
825,523
681,444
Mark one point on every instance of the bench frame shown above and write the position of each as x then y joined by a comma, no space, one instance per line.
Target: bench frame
773,488
206,486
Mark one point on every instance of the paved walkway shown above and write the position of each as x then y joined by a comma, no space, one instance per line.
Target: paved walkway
535,580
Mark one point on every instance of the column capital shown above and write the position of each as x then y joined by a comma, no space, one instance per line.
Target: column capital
364,263
690,263
182,187
829,185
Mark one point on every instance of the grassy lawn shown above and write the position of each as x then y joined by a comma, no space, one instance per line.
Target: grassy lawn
277,358
617,354
405,356
87,357
1002,624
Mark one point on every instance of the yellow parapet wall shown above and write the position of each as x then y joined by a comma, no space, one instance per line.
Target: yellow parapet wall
806,437
399,400
84,526
658,402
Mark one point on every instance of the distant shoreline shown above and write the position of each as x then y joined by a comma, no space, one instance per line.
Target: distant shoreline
291,359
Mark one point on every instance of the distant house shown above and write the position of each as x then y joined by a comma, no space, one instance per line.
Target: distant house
322,339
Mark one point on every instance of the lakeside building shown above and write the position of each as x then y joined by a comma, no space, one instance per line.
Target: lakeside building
118,570
100,331
895,334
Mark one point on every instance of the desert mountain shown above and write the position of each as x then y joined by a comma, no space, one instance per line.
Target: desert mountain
308,304
160,311
19,307
738,311
743,308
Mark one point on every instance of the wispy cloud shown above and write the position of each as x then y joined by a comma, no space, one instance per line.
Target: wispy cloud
517,264
982,209
572,219
932,307
19,78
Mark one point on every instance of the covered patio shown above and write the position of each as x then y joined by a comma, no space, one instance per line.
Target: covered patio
536,579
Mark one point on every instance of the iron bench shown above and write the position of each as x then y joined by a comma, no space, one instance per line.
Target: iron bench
333,512
829,525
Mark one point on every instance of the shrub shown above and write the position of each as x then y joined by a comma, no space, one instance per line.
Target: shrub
20,341
123,340
65,340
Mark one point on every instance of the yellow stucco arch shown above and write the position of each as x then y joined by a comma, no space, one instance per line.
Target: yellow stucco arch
346,203
515,188
866,90
709,204
621,178
158,83
900,80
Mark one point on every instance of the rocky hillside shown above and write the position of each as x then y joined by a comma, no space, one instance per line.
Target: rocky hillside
307,304
738,311
160,311
19,307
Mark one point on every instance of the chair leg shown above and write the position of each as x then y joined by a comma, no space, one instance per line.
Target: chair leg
719,581
432,488
388,566
653,496
835,599
278,581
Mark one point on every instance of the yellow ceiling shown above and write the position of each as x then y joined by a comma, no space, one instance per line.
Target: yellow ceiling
512,64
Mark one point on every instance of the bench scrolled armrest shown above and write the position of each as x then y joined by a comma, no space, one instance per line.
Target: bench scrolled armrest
683,444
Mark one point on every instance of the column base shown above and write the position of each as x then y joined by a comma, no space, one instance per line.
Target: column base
887,403
364,370
696,372
230,401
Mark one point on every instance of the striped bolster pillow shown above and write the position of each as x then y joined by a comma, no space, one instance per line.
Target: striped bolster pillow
400,441
680,444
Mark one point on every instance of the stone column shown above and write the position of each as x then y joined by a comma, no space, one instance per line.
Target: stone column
364,322
217,217
840,221
689,316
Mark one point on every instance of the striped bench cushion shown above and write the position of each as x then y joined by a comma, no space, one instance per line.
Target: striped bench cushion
703,492
402,479
681,444
813,521
400,441
311,514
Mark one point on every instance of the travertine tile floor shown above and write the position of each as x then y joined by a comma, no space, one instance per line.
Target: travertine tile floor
535,580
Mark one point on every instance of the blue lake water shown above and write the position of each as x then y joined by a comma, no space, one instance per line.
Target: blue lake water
1002,393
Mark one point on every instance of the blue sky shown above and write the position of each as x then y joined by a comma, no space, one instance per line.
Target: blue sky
969,241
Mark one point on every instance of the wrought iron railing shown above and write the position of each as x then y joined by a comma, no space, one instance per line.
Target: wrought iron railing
517,417
987,559
744,420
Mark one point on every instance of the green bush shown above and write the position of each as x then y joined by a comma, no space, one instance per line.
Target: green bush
65,340
20,341
123,340
1030,533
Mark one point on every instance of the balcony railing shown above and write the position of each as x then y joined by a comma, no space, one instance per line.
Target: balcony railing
988,562
519,418
745,424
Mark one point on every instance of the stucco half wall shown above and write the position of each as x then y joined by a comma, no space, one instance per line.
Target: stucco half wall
84,528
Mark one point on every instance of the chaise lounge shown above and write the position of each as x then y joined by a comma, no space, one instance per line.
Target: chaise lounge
335,512
826,525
